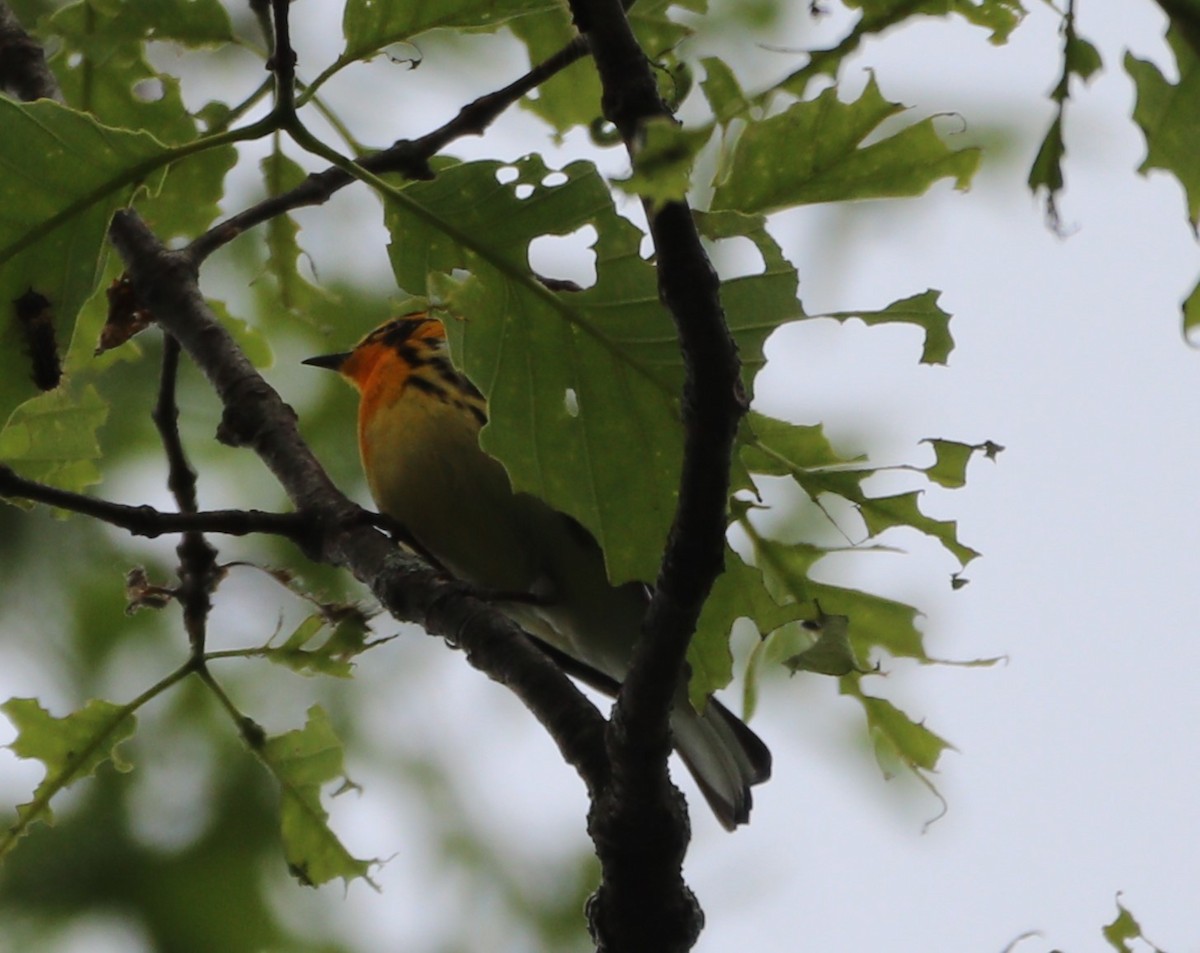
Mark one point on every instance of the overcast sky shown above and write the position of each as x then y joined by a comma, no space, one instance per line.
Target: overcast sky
1077,761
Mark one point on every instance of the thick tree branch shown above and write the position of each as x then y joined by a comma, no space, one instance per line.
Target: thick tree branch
640,832
256,417
408,157
23,69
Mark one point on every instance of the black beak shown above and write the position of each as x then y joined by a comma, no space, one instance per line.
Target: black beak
331,362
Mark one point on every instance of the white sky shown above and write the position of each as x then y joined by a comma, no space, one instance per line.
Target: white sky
1078,761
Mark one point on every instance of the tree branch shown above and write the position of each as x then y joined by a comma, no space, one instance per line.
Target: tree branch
409,157
641,832
23,68
256,417
198,575
151,523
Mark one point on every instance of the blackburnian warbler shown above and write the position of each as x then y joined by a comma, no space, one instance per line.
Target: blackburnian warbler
418,427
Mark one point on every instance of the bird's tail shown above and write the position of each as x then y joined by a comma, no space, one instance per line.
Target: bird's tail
724,756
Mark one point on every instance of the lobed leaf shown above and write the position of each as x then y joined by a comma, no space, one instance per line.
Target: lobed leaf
1124,930
999,16
875,622
885,512
922,310
572,98
949,468
52,225
898,740
71,748
303,761
1169,117
330,657
827,160
370,25
102,66
738,593
296,293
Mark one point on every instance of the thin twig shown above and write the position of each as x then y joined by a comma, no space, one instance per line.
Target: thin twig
151,523
198,573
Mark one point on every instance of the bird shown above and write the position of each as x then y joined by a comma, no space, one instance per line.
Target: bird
418,434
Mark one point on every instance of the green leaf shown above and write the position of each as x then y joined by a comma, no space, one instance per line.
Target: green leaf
777,448
104,71
755,304
1046,171
370,25
923,311
574,380
331,657
949,468
52,438
71,748
296,293
53,225
1080,58
1169,116
253,342
101,23
884,512
827,161
875,622
722,90
1191,311
831,653
302,761
662,163
898,740
999,16
738,593
1121,933
572,98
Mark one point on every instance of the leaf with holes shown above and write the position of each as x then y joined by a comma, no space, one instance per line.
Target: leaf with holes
53,227
583,386
303,761
921,310
738,593
71,748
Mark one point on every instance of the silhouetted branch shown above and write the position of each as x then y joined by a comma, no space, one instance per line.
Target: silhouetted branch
150,522
198,575
641,831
